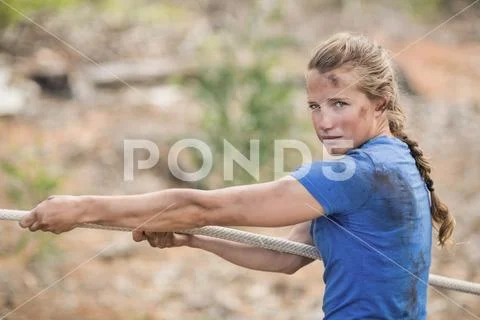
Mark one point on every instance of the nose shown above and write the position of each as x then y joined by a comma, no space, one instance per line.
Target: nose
323,121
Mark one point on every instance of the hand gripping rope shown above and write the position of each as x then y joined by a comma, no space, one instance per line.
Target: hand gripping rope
267,242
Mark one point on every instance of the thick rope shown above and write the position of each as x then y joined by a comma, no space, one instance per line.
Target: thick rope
267,242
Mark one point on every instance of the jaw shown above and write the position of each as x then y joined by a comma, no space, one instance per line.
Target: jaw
337,147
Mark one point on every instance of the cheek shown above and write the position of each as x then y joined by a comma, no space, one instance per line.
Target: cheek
355,119
349,119
315,118
364,121
366,115
363,114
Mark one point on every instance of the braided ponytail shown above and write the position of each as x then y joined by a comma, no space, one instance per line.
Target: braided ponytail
377,79
445,222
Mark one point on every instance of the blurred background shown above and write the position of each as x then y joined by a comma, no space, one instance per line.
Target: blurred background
77,78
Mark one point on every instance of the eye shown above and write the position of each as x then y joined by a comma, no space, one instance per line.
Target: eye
340,104
313,106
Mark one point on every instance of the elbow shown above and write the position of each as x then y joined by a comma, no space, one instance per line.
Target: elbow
288,266
290,271
295,264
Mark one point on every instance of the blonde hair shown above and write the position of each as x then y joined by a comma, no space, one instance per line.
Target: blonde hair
376,78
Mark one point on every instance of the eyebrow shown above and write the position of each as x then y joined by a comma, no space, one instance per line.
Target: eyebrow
330,100
337,99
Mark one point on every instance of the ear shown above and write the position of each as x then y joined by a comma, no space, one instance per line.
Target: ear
380,106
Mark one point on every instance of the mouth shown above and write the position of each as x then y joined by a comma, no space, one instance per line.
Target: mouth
330,137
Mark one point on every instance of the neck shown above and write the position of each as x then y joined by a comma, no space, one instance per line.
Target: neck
385,132
383,129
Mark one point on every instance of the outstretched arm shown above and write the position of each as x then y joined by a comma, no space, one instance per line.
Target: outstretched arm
278,203
272,204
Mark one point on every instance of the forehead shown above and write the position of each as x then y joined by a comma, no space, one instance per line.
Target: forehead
341,80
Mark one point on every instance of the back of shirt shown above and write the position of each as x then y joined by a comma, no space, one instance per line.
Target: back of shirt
375,236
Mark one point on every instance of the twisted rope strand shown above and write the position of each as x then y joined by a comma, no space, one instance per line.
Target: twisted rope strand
267,242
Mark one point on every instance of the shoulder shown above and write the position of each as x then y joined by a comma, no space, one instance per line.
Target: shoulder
339,185
384,151
356,162
345,183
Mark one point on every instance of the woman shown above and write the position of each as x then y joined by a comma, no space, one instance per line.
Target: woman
369,213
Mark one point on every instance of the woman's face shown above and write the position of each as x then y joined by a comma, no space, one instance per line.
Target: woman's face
343,117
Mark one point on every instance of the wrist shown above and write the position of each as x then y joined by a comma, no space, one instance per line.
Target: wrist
88,204
192,241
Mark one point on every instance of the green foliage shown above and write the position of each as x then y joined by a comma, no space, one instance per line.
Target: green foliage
426,9
245,101
125,11
135,11
28,181
16,10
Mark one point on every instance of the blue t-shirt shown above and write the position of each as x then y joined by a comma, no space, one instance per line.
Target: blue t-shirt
376,235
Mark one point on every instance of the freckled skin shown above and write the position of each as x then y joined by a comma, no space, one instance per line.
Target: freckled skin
357,122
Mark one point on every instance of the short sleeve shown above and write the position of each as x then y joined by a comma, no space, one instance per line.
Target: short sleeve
340,185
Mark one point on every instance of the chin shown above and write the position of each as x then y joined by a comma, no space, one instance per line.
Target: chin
337,151
338,146
334,148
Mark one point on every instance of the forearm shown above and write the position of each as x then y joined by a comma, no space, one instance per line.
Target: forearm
278,203
166,210
249,256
